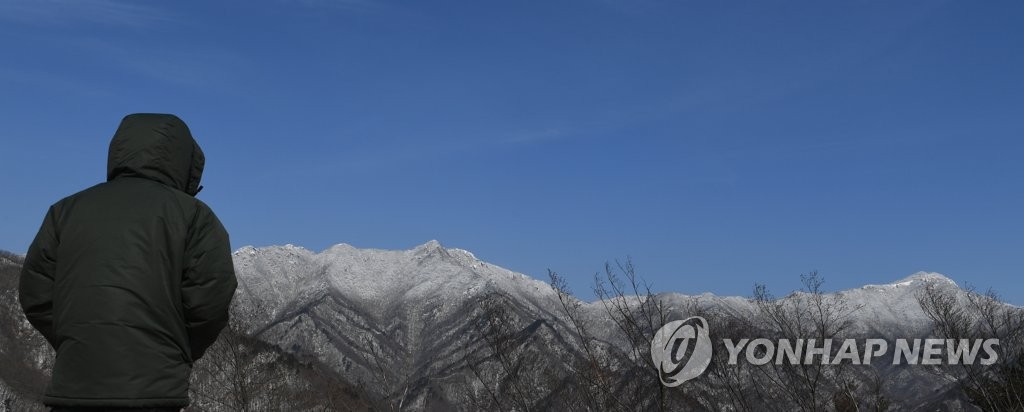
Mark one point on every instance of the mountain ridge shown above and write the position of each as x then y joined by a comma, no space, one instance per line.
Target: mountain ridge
433,328
436,247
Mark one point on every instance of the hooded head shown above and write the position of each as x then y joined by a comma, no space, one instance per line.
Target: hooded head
157,147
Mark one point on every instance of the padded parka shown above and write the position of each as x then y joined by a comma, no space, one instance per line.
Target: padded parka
130,280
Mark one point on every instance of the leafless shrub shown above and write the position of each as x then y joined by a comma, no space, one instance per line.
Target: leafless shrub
971,316
637,314
594,379
506,360
808,314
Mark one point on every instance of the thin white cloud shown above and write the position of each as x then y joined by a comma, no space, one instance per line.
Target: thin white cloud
105,12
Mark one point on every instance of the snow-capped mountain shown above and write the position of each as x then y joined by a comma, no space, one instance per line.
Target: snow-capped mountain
436,328
379,315
378,280
431,279
419,310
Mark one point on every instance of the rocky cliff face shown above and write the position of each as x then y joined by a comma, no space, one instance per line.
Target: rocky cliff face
404,322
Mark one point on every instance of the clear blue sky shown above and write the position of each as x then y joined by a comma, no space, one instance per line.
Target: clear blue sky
718,143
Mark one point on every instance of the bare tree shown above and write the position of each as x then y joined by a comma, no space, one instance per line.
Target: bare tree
969,316
624,377
726,387
638,314
333,393
390,390
594,378
505,361
808,314
241,373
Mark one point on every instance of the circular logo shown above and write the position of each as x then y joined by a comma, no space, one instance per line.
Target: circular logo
681,350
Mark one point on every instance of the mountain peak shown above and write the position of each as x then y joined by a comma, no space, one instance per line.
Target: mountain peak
919,278
432,244
431,248
926,277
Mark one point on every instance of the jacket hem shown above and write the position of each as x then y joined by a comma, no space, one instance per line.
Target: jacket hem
50,400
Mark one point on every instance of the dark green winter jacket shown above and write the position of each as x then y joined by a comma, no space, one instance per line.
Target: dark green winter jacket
131,279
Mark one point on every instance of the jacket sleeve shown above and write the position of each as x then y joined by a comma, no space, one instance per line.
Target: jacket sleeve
209,281
35,286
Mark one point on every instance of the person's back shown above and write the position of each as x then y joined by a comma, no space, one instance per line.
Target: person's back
131,279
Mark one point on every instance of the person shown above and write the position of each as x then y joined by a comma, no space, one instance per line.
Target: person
130,280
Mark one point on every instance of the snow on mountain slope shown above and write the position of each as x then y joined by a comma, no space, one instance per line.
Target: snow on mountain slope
892,309
352,308
889,310
376,278
379,280
412,318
